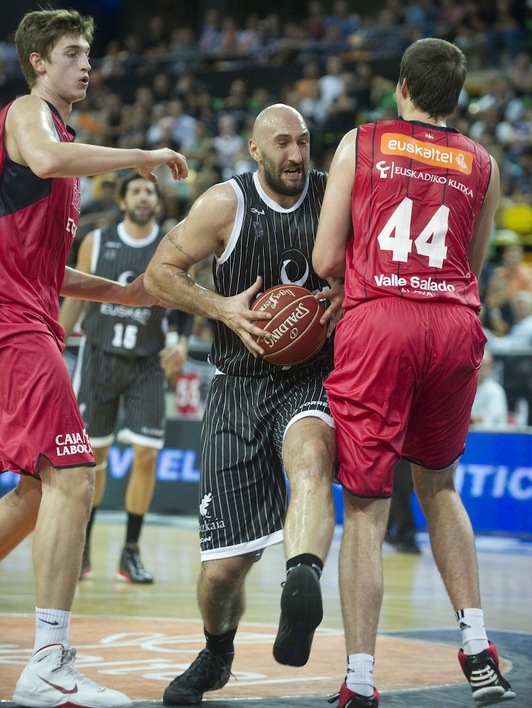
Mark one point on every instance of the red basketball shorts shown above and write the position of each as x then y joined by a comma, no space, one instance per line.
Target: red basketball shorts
39,414
403,385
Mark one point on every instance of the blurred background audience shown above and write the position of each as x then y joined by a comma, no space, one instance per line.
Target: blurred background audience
490,407
194,76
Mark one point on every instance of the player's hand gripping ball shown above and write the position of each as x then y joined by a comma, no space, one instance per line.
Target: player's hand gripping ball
295,329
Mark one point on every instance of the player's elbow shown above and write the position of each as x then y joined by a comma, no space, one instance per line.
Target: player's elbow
46,165
151,280
326,266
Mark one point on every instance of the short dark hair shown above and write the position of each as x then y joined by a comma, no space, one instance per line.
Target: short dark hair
39,31
435,71
131,177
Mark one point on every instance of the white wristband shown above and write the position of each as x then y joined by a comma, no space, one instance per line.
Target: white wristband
172,338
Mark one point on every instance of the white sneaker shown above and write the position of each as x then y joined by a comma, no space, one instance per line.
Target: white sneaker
50,679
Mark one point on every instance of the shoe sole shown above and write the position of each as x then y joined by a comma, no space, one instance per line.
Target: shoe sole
29,703
181,701
301,613
492,696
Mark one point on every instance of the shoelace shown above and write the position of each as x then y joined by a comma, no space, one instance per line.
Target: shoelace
68,657
137,562
205,655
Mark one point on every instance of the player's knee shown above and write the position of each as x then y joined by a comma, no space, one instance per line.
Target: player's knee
146,457
76,484
430,485
226,572
314,462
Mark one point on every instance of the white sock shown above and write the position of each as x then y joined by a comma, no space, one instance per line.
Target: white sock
360,674
471,622
51,627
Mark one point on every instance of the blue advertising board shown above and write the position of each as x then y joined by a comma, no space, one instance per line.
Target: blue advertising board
494,478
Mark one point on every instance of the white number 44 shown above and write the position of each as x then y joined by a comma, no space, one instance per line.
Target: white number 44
396,236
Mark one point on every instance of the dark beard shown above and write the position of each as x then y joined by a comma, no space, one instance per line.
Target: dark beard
140,221
275,181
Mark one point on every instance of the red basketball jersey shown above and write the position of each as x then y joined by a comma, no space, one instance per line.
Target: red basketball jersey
38,221
417,193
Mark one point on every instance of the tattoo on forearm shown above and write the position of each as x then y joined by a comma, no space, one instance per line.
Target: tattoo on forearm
178,247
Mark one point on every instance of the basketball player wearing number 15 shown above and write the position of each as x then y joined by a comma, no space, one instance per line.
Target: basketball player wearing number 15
123,363
406,218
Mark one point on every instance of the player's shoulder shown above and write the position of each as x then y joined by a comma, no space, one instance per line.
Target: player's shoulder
245,182
216,206
377,125
29,102
26,99
219,195
29,112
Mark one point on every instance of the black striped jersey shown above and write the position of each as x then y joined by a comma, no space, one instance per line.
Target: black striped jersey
121,329
272,242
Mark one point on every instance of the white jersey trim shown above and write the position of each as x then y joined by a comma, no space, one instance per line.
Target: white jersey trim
128,437
136,242
327,419
105,441
273,204
242,548
96,245
237,224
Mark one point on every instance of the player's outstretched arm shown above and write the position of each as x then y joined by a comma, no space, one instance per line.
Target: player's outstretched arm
87,286
32,141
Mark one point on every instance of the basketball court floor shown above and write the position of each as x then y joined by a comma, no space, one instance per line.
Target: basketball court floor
137,638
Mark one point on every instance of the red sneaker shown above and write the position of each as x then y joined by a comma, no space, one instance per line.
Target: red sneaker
487,683
350,699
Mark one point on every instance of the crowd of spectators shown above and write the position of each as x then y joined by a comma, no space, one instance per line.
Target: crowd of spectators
198,90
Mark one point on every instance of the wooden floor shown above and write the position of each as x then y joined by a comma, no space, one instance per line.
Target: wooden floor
137,638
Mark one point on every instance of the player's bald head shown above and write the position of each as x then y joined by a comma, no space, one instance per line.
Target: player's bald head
280,145
277,119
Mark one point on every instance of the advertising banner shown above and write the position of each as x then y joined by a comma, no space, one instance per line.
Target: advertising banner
494,478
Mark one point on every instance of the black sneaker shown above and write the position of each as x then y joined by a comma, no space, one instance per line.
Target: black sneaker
488,685
86,571
301,613
208,672
131,568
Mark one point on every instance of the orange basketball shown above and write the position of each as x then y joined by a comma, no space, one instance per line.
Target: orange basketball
297,334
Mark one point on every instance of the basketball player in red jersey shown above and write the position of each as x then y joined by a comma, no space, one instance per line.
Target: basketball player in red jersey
406,219
42,436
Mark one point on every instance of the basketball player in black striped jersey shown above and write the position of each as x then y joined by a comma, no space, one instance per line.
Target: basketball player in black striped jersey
260,418
124,358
